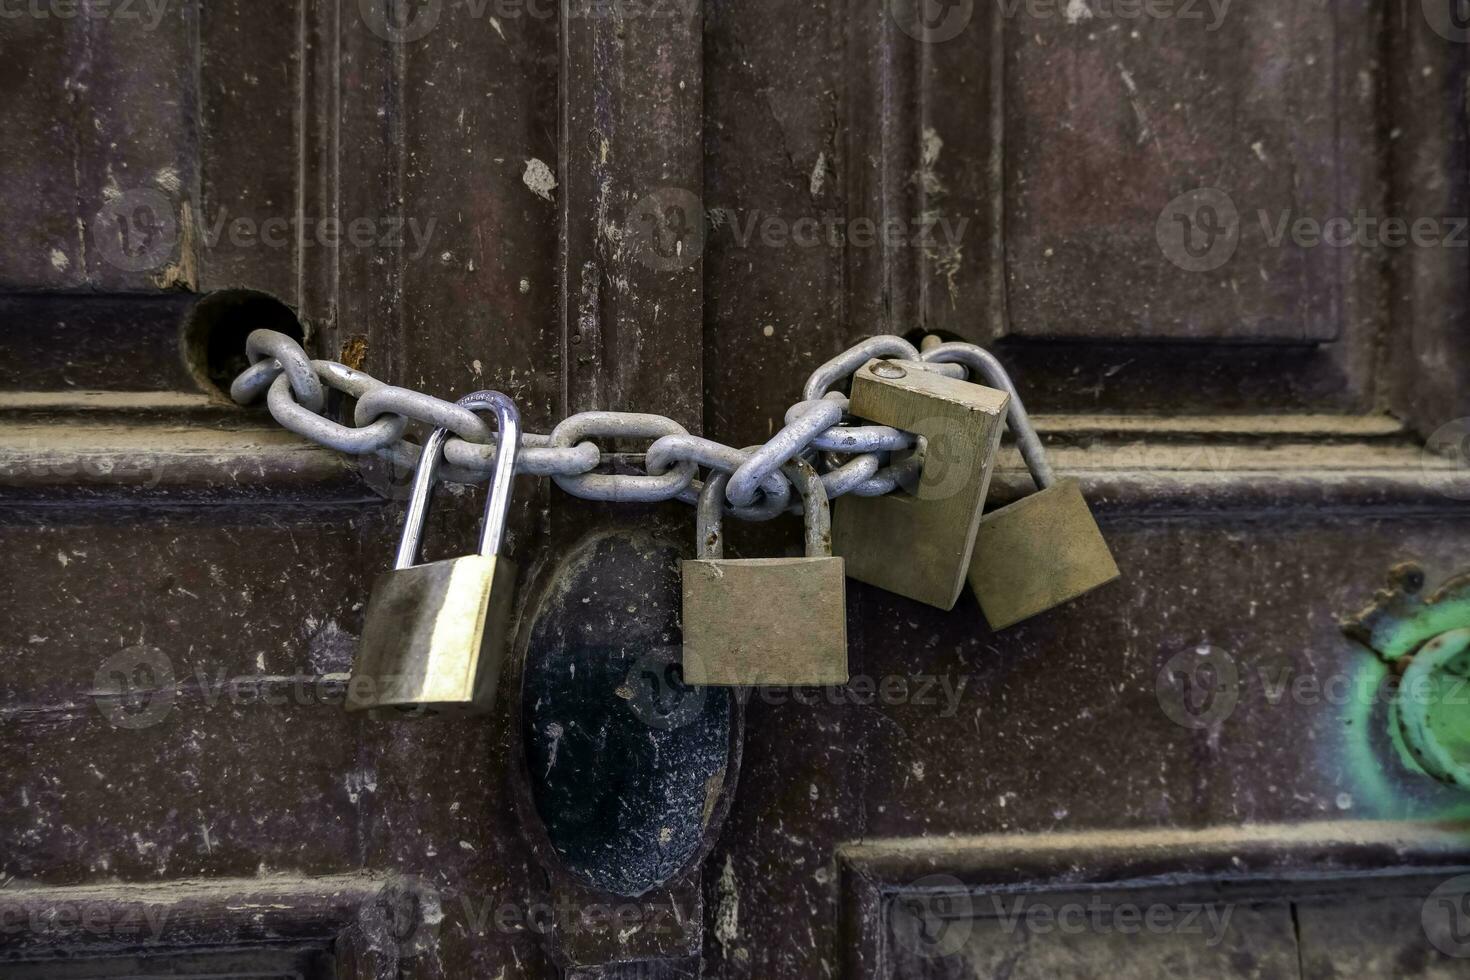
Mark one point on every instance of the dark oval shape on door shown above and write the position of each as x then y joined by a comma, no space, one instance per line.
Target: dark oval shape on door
631,771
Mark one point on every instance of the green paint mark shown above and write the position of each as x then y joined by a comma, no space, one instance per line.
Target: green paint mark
1433,710
1385,779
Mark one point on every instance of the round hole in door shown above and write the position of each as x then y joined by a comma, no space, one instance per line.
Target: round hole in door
215,332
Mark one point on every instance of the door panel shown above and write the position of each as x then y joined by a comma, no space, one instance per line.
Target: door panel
678,209
1109,121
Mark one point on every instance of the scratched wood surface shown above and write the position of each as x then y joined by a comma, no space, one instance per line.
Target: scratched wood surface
680,211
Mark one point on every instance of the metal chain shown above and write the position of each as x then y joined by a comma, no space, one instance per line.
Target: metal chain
852,459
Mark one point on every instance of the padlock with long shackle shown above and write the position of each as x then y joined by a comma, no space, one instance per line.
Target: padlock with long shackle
435,635
765,622
1043,550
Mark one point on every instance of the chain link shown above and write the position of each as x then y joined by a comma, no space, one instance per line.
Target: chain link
264,345
851,459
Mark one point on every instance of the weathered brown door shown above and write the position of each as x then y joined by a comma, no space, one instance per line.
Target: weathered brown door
1221,246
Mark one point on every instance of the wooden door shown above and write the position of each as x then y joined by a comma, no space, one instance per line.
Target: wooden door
1219,245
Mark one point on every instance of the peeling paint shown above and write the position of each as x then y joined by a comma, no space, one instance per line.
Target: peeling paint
926,177
183,274
168,179
539,178
727,916
819,175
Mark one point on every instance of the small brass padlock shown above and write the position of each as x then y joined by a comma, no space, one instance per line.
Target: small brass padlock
765,622
919,545
1038,553
1043,550
435,635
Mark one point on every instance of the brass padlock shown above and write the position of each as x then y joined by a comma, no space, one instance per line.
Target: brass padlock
1045,549
919,545
765,622
434,638
1038,553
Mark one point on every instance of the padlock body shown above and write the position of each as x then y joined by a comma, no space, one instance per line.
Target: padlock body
765,622
434,638
1035,554
919,545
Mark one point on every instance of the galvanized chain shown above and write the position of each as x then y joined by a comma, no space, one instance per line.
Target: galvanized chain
852,459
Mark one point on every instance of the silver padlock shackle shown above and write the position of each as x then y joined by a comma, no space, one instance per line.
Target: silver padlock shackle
984,363
497,504
709,519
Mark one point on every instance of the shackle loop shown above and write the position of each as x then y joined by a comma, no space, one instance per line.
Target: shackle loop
816,512
988,366
497,504
709,518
